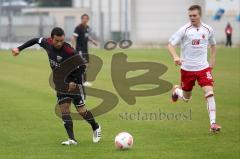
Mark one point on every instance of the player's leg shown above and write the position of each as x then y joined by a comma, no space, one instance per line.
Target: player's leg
227,40
88,116
185,91
229,43
230,40
187,96
179,93
205,80
85,82
85,56
211,107
64,103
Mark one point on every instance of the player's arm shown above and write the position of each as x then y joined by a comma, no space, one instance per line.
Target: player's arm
17,50
173,41
74,77
74,37
92,41
74,41
213,53
90,37
72,86
177,60
213,49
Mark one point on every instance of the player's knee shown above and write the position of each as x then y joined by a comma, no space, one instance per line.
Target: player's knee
65,110
187,96
186,99
81,110
65,114
209,94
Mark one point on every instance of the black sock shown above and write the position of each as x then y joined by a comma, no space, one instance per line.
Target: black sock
90,119
68,124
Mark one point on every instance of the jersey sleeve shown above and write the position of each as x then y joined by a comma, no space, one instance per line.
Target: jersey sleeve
28,44
211,38
43,42
177,37
76,32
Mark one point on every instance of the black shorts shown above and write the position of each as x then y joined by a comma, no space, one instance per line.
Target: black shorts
78,100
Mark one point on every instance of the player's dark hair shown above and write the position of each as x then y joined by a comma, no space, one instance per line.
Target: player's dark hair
196,7
84,15
57,31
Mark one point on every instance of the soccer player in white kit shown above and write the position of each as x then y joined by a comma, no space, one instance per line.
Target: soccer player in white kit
194,38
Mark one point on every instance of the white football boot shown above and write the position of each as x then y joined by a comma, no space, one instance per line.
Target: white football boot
69,142
97,135
87,84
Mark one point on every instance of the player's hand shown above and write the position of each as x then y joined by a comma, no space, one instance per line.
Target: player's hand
71,86
178,61
15,51
95,43
211,65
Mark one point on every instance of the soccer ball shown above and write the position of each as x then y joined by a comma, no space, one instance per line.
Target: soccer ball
123,140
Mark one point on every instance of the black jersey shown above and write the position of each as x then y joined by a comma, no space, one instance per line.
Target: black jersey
57,56
81,32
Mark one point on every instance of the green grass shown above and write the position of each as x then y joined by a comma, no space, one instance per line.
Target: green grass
29,128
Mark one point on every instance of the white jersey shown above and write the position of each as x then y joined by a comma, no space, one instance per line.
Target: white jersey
194,45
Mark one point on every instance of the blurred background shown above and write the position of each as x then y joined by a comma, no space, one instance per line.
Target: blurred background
148,23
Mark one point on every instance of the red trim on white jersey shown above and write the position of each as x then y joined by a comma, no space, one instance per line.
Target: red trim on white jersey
187,28
206,28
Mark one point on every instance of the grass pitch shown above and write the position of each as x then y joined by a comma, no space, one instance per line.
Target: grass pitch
29,128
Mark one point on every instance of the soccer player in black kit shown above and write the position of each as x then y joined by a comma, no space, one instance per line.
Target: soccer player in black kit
80,41
59,51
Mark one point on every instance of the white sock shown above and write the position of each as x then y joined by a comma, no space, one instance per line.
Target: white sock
179,92
211,106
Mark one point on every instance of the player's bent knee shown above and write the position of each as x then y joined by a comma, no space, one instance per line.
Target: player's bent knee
65,109
81,110
209,94
187,96
186,99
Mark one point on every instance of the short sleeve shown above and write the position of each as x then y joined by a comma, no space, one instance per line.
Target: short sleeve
43,42
211,38
177,37
75,33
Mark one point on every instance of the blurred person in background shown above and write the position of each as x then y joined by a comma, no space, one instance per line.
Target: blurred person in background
80,40
228,32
